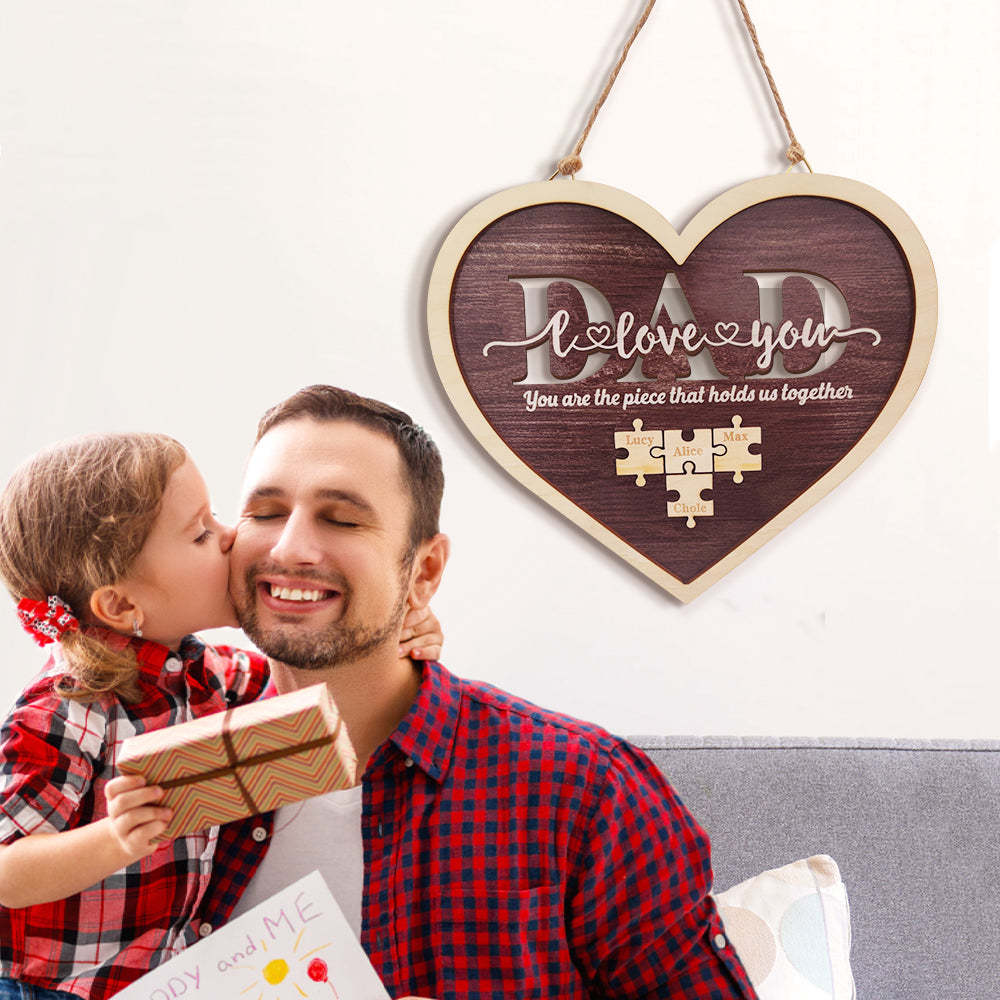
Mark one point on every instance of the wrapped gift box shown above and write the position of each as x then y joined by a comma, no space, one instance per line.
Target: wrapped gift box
246,760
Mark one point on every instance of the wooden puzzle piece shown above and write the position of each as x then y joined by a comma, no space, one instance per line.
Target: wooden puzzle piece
699,450
737,457
689,488
641,461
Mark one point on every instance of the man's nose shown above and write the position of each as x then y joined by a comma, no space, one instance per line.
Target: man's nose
299,543
227,536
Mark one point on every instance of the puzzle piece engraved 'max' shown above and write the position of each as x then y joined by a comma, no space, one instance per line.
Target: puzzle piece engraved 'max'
640,461
736,456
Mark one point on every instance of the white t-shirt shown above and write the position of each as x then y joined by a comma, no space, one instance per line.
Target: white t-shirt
322,834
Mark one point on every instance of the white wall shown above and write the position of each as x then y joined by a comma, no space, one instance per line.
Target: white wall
205,205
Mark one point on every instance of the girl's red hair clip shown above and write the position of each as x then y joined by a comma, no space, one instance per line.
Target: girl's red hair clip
47,621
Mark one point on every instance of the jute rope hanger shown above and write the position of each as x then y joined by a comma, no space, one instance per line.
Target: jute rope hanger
570,164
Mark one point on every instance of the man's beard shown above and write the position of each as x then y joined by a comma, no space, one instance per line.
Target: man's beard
334,645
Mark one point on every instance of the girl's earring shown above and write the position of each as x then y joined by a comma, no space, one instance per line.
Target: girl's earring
136,630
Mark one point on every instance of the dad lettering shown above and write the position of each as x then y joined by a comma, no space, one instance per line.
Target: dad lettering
606,336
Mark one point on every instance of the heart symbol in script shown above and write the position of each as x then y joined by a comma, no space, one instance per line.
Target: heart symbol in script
683,397
599,333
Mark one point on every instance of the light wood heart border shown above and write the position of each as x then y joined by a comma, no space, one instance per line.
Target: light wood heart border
680,246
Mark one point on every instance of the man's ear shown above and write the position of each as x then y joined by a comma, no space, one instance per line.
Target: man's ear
428,567
111,605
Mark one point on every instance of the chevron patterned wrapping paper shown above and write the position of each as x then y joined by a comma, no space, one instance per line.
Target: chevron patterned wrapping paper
286,748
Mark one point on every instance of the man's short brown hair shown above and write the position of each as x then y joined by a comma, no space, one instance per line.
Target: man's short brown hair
422,471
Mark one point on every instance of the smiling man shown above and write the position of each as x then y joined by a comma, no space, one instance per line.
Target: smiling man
312,610
494,849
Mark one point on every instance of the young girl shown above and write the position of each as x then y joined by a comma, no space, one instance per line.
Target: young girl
109,545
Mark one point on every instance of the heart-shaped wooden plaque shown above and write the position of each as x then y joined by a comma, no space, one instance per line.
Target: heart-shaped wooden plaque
683,396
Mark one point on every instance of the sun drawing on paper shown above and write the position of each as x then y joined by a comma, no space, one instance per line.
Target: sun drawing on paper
277,978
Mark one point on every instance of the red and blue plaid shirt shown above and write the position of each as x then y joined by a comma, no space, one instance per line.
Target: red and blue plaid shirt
56,756
512,853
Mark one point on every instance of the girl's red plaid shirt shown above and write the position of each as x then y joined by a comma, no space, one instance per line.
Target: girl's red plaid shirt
56,756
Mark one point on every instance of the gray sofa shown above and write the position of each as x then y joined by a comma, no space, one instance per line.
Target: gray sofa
914,827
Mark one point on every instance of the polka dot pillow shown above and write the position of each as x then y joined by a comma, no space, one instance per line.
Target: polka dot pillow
791,928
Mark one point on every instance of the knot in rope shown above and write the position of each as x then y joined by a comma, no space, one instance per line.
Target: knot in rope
569,165
795,153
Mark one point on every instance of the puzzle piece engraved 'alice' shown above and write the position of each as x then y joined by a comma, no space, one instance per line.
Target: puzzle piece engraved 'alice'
689,462
698,451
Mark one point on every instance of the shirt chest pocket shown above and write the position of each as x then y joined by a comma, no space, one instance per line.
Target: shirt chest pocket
506,942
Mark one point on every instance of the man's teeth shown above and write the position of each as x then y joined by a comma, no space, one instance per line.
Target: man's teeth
294,594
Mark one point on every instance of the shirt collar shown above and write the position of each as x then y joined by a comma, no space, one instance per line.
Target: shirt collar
427,733
150,656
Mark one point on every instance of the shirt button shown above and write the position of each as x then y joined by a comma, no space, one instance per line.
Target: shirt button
259,834
173,665
205,929
719,941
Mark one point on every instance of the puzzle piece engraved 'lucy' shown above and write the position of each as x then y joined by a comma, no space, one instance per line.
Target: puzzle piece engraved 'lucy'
641,461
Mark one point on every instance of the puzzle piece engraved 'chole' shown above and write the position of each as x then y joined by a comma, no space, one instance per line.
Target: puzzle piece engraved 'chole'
689,503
